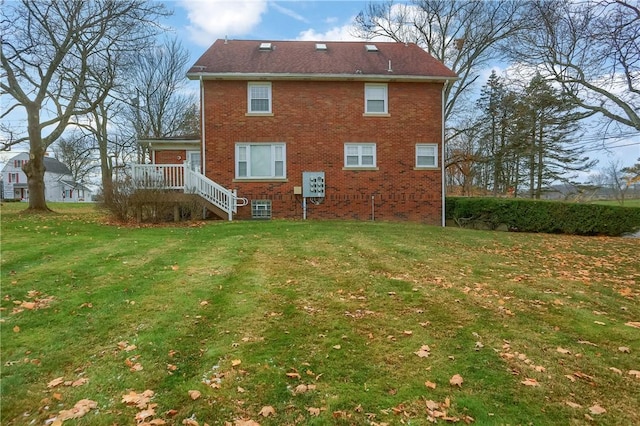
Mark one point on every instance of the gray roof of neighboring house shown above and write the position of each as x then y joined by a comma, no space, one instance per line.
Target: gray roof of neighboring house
50,164
54,166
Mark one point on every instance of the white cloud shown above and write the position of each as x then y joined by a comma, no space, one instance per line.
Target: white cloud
288,12
346,32
212,19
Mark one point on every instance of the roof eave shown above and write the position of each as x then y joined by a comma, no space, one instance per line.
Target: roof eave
320,77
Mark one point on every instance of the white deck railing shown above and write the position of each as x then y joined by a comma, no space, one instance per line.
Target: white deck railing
180,176
158,176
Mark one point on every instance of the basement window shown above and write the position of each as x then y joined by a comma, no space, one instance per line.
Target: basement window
260,209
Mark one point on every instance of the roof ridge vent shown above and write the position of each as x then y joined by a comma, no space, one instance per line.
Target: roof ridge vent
266,46
371,47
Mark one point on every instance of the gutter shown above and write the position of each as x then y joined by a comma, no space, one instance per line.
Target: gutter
317,77
442,164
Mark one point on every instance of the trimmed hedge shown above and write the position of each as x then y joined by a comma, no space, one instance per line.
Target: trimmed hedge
552,217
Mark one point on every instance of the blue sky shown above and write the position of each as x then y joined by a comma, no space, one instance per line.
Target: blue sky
198,23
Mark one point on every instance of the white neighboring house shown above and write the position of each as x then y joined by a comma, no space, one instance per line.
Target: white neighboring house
59,185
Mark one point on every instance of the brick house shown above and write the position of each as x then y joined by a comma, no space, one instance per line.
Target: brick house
330,130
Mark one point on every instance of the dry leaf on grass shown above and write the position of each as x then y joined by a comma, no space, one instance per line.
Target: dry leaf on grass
596,409
430,385
456,380
634,324
563,351
81,408
424,351
267,411
55,382
140,400
194,394
624,349
635,373
573,404
236,362
530,382
313,411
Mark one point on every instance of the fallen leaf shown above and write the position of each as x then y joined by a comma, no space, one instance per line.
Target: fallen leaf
240,390
596,409
634,324
432,405
530,382
616,370
407,333
55,382
293,375
242,422
236,362
456,380
302,388
430,385
337,347
175,267
635,373
599,323
194,394
204,303
141,416
424,351
313,411
570,377
140,400
81,381
136,367
624,349
267,411
563,351
16,329
81,408
573,404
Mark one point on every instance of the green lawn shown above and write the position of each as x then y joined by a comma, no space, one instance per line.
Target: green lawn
633,202
314,323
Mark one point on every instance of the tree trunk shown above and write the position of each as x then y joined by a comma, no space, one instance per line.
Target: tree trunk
34,169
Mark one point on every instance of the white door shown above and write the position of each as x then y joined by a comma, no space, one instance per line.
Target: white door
195,162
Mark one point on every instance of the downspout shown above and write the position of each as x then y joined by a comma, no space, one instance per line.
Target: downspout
203,161
442,164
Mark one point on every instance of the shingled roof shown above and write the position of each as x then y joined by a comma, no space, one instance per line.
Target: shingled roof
242,59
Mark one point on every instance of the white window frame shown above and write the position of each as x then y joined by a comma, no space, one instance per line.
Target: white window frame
278,160
421,151
372,93
250,97
353,149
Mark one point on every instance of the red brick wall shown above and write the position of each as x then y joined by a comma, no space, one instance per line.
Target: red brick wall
171,156
315,119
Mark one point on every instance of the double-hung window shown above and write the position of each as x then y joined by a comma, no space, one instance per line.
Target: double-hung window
375,99
261,161
426,155
259,98
359,155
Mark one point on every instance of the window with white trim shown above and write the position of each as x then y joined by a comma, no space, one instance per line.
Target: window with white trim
360,155
261,161
259,98
375,99
427,155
